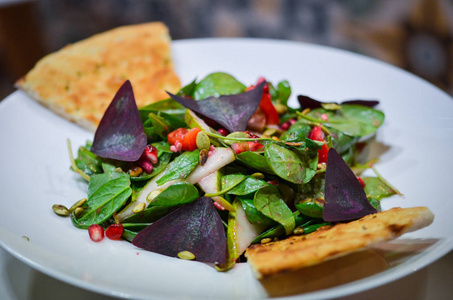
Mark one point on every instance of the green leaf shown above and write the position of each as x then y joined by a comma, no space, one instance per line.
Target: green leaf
253,215
88,162
216,84
289,165
298,132
176,194
168,106
248,186
160,125
354,120
254,160
269,202
376,189
106,194
181,167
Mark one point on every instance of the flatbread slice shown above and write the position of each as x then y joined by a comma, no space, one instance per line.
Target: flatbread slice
328,242
79,81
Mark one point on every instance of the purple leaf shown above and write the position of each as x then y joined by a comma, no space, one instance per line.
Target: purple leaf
196,227
307,102
120,134
344,195
230,111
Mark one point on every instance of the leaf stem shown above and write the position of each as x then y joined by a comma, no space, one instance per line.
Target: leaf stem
73,163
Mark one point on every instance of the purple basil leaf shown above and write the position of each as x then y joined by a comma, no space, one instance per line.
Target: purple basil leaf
368,103
120,134
344,195
196,227
307,102
230,111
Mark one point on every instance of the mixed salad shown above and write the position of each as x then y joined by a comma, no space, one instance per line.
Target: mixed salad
220,165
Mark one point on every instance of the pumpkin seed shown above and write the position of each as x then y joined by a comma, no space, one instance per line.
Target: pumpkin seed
186,255
298,231
61,210
266,240
78,212
139,208
77,204
203,141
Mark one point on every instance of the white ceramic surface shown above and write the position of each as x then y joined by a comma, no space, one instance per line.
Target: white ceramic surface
418,135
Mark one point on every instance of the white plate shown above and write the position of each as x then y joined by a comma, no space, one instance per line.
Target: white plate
35,172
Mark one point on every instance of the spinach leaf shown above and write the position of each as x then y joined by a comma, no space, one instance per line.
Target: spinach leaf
160,125
376,189
229,181
106,194
168,106
88,162
150,214
289,165
268,201
248,186
354,120
298,132
176,194
254,160
217,84
181,167
253,215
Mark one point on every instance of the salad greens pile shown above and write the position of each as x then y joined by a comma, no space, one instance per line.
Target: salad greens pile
221,165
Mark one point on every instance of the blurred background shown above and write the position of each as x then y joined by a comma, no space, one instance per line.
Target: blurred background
416,35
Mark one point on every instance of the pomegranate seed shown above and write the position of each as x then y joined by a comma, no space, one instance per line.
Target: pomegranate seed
285,126
362,183
150,153
145,165
253,146
96,233
114,231
223,131
324,117
218,205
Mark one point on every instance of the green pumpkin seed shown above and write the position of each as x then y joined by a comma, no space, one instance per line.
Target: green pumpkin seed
203,142
77,204
186,255
61,210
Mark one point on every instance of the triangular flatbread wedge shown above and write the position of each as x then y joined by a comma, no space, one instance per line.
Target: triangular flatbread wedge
330,242
79,81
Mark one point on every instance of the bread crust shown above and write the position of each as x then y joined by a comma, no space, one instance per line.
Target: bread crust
330,242
79,81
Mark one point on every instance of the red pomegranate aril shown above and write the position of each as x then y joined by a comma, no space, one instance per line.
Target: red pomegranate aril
150,153
360,179
223,131
96,233
114,231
